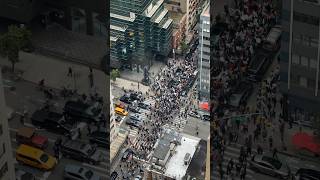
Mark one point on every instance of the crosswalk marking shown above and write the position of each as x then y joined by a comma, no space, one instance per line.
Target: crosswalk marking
178,123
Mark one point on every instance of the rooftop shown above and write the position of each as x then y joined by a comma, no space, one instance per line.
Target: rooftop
161,16
176,16
206,11
164,144
175,167
152,8
168,22
125,18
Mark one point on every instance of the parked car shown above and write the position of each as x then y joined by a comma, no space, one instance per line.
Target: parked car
81,151
194,114
23,175
240,94
99,138
126,155
136,117
54,122
272,42
133,123
136,96
120,111
259,66
138,177
118,118
35,157
307,174
27,135
206,117
120,105
82,111
134,109
114,175
269,165
74,172
126,99
143,105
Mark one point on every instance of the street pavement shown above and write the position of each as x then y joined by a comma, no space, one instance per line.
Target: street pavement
54,71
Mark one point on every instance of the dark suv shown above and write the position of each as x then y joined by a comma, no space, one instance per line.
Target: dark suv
100,138
53,122
82,112
81,151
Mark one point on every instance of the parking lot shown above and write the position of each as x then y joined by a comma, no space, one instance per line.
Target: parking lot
27,99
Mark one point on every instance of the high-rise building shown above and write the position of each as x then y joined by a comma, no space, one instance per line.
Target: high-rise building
299,59
204,55
6,156
139,30
192,13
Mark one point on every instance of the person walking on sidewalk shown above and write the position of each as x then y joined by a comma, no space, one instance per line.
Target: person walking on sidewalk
69,72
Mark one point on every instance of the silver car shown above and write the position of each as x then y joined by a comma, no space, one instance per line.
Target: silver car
268,165
74,172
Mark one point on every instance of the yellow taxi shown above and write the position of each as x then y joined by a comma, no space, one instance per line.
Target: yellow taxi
120,111
35,157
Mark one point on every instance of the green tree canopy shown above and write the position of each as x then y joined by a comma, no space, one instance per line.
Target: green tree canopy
12,41
114,74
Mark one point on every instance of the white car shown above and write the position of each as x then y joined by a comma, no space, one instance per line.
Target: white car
194,114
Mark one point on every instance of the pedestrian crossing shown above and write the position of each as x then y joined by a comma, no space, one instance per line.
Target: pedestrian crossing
178,123
150,101
232,152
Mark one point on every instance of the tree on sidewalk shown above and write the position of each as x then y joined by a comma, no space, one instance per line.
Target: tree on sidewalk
115,73
12,42
184,47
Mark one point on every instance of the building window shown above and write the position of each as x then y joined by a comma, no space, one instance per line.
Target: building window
311,83
303,82
313,63
304,61
313,42
295,59
306,18
1,130
3,170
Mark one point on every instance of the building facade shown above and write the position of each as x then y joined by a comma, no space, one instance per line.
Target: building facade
139,31
83,16
113,124
204,55
176,5
299,60
6,159
192,13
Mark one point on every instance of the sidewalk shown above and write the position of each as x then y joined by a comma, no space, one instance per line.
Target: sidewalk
130,85
137,77
54,71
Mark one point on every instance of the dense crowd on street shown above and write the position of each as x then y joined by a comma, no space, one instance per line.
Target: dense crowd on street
247,26
167,88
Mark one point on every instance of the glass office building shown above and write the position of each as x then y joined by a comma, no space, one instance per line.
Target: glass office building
139,30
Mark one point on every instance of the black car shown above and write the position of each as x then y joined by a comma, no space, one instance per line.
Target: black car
259,66
143,105
100,138
54,122
126,99
114,175
133,123
240,94
136,96
307,174
206,117
127,153
82,111
134,109
81,151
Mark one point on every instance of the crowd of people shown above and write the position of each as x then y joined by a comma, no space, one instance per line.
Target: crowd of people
246,26
167,88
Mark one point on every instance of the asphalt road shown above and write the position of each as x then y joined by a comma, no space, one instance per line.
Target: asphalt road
27,96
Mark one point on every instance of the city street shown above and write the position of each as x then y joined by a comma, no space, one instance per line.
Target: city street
27,96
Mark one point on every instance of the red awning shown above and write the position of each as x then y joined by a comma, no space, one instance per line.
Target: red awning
306,141
204,106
